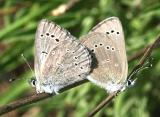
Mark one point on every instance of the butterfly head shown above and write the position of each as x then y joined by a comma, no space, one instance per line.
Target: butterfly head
46,87
33,82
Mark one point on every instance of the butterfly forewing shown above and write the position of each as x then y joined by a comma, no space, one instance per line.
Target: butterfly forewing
60,59
112,27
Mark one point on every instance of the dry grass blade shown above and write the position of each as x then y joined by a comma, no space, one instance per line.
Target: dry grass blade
64,7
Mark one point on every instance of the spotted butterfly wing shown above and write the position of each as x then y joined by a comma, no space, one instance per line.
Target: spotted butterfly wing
112,27
106,42
60,59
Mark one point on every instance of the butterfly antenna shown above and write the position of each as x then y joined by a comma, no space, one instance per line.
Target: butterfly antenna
32,79
27,63
148,64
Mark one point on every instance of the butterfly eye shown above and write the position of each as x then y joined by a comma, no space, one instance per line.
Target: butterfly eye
33,82
129,82
92,50
117,32
41,35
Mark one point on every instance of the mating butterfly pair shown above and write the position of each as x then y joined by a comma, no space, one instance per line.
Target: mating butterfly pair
61,59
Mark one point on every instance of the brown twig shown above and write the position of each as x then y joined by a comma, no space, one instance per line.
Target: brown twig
34,98
37,97
103,103
147,53
23,102
140,53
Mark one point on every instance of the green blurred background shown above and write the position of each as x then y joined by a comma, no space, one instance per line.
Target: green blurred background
18,22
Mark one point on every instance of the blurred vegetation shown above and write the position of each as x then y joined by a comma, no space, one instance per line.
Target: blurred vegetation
18,22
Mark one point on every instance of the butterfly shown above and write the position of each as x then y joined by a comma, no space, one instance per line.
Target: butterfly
107,46
60,59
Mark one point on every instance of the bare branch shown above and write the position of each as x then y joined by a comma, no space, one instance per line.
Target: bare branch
33,98
141,52
103,103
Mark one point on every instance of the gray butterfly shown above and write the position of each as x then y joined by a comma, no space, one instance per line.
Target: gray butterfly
60,59
106,42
